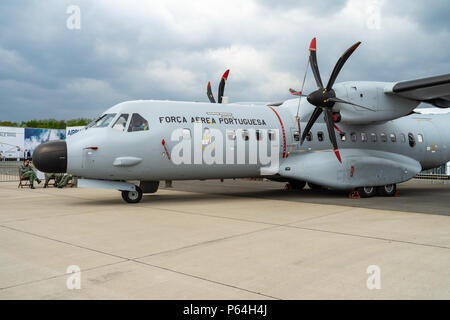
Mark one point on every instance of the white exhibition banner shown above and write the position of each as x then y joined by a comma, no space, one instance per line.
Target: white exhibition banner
11,142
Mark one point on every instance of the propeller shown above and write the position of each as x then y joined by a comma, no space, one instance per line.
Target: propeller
222,83
324,98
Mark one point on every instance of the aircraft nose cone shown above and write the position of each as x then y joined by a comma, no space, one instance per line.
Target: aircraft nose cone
51,157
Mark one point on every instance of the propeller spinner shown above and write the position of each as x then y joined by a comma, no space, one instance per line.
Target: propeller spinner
324,98
222,83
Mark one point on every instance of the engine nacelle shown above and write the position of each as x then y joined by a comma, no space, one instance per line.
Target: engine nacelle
373,95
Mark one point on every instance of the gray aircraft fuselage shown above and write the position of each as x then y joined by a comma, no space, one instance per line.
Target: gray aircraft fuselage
102,153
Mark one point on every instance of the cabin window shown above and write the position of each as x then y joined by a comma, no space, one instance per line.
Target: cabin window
343,137
272,135
373,137
245,135
402,137
121,122
186,134
363,137
393,137
137,123
419,138
309,136
103,121
296,135
231,134
353,137
383,137
412,140
259,135
320,136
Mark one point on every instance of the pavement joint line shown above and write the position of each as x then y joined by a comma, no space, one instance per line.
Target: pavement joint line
289,225
63,242
280,225
49,216
271,226
208,280
205,242
60,275
369,237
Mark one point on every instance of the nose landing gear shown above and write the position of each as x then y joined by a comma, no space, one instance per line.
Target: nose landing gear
132,196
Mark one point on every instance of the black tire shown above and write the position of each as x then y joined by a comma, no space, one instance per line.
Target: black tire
367,192
132,196
314,186
388,190
297,184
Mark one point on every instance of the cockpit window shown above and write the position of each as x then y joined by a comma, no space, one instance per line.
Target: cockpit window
103,121
121,122
137,123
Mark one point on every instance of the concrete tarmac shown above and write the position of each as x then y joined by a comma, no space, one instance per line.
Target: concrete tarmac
232,240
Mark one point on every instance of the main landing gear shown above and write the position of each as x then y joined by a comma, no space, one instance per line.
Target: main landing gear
388,190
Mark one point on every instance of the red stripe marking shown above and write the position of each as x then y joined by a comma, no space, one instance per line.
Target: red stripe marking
163,142
282,130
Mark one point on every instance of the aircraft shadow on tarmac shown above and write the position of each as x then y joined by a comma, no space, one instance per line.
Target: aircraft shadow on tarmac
431,199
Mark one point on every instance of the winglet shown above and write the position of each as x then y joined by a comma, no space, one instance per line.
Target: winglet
312,46
338,155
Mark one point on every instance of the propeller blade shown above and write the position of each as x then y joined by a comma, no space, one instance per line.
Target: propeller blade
297,93
313,62
348,102
340,63
209,93
312,120
330,126
222,85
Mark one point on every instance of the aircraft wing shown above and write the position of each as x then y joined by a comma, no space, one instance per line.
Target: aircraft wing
433,90
360,167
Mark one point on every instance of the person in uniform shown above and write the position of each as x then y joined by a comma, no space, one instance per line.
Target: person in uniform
55,176
27,172
64,180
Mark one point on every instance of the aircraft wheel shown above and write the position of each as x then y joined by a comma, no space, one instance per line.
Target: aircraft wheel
388,190
367,192
314,186
297,185
132,196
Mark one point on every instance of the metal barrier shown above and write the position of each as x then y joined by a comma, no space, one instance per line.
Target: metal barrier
432,176
9,170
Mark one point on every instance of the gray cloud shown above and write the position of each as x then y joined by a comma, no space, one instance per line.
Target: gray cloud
161,50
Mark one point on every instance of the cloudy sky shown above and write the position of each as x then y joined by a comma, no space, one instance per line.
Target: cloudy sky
166,49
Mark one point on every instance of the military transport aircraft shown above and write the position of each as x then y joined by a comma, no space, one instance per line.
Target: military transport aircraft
368,139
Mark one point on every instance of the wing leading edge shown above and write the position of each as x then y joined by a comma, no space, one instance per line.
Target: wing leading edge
433,90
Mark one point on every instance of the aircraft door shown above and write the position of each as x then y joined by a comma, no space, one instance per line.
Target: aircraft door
88,160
